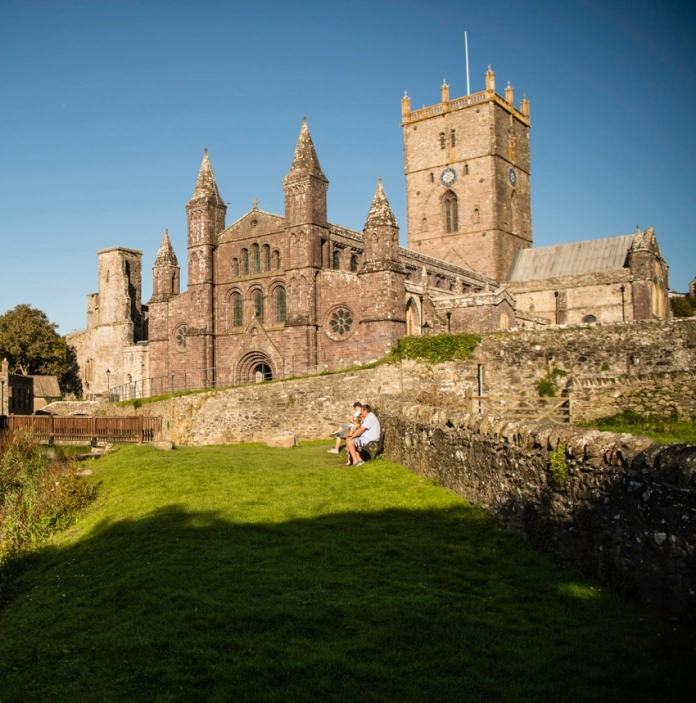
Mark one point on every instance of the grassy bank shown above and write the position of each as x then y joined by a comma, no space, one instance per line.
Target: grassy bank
247,573
661,428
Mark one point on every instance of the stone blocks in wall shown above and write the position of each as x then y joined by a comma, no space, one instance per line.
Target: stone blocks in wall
625,513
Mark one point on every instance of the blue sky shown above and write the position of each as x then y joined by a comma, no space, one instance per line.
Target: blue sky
107,107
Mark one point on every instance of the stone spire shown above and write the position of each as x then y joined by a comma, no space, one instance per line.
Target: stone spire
305,185
380,213
305,161
165,255
206,187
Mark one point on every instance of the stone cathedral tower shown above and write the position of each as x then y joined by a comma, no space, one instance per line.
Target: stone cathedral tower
467,179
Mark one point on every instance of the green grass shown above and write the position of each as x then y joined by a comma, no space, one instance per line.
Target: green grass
252,574
661,428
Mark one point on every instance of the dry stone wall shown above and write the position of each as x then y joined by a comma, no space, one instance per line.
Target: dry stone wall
625,513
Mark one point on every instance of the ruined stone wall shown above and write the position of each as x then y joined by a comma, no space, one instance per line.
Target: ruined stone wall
649,366
625,513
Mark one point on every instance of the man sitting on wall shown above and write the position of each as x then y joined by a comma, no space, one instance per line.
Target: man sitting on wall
369,431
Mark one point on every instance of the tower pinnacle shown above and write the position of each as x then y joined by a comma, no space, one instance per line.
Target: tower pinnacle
380,211
206,187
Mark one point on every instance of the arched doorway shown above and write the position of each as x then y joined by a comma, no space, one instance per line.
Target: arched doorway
253,367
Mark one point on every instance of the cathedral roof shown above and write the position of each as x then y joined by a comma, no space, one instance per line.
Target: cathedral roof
305,160
571,259
380,211
206,187
165,255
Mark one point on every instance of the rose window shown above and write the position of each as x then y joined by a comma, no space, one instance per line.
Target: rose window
341,322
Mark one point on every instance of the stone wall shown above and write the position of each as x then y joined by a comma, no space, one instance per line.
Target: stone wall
625,514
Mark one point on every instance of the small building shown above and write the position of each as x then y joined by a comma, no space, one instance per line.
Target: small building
16,392
46,390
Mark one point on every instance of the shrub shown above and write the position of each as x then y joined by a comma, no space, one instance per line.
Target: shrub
38,495
558,466
436,349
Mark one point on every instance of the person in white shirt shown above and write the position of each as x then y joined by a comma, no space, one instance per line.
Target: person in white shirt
369,431
345,431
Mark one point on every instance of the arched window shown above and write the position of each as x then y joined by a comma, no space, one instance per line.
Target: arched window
280,305
258,304
354,263
256,258
453,139
235,267
276,260
245,262
589,319
504,320
336,259
89,370
266,257
513,211
432,178
450,212
442,140
237,318
466,169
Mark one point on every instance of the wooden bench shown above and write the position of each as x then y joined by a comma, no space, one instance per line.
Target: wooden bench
374,447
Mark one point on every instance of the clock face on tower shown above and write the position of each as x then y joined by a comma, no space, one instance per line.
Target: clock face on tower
448,177
512,176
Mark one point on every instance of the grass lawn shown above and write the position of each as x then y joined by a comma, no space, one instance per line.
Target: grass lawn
661,428
252,574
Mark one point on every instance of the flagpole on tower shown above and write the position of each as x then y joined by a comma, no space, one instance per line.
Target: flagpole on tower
466,49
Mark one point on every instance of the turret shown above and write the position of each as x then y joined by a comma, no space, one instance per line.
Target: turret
206,219
166,272
381,233
305,185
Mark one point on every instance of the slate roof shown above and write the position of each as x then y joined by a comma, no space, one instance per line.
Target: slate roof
46,387
572,259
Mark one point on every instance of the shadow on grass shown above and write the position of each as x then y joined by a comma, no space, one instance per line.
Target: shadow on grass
397,605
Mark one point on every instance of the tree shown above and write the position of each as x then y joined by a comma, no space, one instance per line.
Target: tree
683,306
31,345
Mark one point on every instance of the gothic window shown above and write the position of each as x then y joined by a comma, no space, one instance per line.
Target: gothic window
504,320
276,260
237,318
266,257
451,212
256,257
442,140
89,370
258,304
245,262
235,267
180,336
513,213
466,169
453,140
336,259
354,263
280,305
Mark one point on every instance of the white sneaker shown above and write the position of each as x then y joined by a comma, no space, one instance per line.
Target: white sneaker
333,451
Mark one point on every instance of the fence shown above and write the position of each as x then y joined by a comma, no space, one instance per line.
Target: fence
522,407
225,376
47,428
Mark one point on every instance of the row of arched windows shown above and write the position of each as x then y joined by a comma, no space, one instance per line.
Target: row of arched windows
258,306
255,260
336,261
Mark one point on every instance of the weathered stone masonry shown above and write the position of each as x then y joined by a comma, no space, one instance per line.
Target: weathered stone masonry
626,514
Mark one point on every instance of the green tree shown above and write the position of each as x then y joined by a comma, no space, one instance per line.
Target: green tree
31,345
683,306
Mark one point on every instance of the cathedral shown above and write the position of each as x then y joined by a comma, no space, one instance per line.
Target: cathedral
271,296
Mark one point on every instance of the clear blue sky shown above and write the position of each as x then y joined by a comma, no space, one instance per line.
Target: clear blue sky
107,106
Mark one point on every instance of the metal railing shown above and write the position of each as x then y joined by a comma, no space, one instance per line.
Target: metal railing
226,376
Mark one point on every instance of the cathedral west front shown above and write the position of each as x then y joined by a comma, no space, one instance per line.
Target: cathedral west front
277,295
